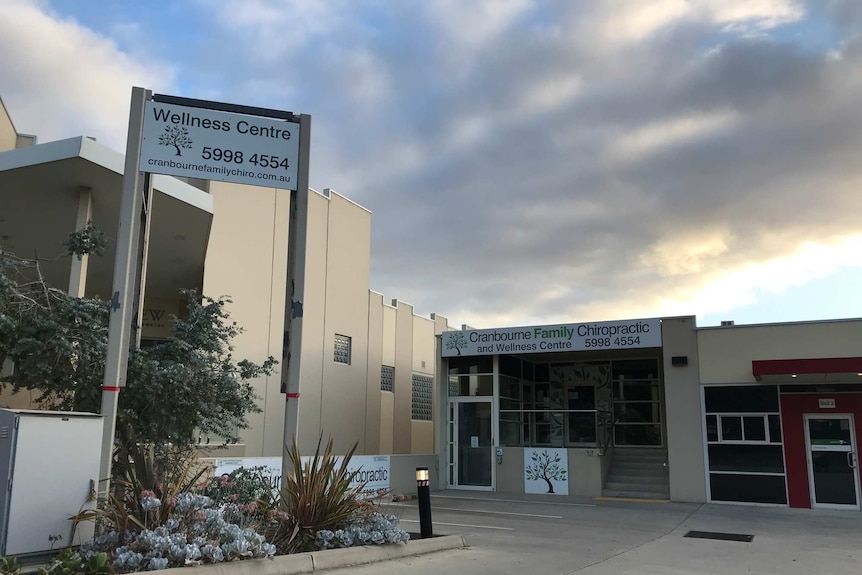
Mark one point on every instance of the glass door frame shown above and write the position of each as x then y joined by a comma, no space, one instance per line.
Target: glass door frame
452,444
852,449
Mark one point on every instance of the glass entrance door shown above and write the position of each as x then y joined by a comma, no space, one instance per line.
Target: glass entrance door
471,444
832,467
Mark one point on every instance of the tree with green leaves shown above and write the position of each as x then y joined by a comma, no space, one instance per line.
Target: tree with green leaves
187,384
546,467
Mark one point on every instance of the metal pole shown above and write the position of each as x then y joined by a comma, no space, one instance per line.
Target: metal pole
295,291
141,279
423,495
127,264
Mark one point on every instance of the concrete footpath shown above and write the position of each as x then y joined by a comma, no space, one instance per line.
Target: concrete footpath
567,535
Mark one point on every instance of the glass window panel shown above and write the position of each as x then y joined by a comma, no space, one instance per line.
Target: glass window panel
635,369
754,428
454,386
541,372
581,397
731,428
746,458
471,385
775,428
528,370
541,396
636,391
548,429
481,384
637,412
741,399
543,434
712,428
471,365
557,395
582,427
834,480
510,393
636,434
510,366
829,431
748,488
511,425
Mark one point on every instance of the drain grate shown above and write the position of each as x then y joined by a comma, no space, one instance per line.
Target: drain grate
720,536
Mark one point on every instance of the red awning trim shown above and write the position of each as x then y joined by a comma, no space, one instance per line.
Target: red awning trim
761,367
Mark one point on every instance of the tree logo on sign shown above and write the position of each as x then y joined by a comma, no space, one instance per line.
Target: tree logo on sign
177,137
456,342
546,467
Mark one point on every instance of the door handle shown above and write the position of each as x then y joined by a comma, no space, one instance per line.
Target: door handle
851,460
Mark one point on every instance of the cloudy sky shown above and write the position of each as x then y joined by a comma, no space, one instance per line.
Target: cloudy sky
526,161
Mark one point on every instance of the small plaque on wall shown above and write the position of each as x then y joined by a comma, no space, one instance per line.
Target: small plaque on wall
826,403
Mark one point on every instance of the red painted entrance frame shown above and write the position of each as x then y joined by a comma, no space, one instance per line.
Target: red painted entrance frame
815,366
794,406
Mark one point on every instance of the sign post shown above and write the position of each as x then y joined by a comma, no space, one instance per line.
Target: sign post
128,265
204,140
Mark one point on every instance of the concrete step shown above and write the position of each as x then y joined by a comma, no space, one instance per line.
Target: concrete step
640,456
636,494
637,480
635,486
650,468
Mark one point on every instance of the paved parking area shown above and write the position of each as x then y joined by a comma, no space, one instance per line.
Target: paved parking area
543,535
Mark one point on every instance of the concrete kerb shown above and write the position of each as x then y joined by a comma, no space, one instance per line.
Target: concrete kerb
330,559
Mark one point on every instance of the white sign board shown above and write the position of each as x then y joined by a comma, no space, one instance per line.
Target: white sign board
826,403
213,145
629,334
373,470
546,470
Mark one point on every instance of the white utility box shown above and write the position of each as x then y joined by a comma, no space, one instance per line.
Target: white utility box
49,465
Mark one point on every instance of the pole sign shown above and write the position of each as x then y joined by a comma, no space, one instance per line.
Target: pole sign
214,145
628,334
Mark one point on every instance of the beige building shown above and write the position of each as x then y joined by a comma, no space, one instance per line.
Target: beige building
651,408
367,366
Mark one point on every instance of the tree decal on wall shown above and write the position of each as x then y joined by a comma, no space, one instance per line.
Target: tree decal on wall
456,341
545,467
176,136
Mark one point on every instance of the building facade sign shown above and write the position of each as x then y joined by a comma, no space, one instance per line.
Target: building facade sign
214,145
628,334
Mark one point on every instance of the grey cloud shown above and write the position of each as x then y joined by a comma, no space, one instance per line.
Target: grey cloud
486,200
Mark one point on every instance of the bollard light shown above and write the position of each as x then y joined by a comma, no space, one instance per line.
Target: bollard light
423,495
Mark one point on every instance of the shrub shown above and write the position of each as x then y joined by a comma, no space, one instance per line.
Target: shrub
69,562
316,496
363,529
195,532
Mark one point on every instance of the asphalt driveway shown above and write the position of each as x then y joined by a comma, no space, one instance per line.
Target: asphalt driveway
543,535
